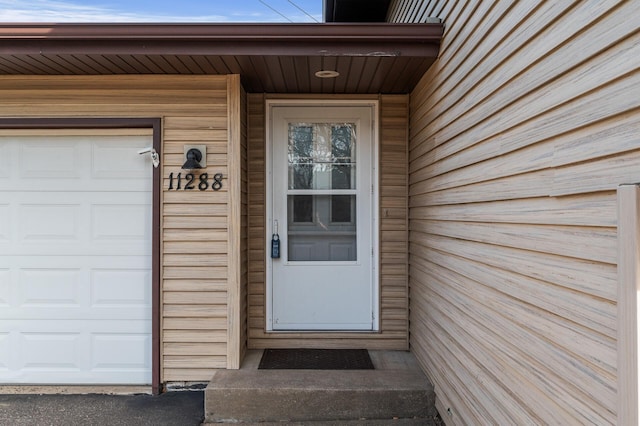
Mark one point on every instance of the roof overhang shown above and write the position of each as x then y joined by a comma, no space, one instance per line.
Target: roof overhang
370,57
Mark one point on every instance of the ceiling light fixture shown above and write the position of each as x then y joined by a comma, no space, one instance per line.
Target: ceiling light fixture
327,74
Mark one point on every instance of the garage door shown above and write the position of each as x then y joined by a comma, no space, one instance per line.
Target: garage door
75,259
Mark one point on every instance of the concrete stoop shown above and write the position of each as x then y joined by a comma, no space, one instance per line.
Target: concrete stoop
250,395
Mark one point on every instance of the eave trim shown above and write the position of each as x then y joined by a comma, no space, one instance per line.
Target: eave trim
416,40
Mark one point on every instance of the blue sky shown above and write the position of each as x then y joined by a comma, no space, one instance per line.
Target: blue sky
159,10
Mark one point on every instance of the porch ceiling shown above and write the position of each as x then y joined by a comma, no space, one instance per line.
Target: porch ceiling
271,58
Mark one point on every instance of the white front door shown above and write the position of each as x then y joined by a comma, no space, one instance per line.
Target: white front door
75,259
323,204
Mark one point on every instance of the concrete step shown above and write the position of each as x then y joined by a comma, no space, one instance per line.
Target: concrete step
392,422
254,396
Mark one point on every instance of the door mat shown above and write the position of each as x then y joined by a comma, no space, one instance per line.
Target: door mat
315,359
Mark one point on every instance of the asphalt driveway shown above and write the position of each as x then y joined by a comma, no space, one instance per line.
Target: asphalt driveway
172,408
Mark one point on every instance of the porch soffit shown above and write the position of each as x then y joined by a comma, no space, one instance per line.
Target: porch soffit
271,58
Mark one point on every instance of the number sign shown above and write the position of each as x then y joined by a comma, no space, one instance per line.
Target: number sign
189,182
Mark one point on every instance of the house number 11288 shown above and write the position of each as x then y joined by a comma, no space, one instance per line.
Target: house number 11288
189,181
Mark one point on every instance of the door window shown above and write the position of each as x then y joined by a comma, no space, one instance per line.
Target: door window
322,192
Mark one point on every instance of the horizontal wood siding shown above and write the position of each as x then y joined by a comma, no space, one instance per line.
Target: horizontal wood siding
244,247
256,215
520,134
393,169
194,225
394,231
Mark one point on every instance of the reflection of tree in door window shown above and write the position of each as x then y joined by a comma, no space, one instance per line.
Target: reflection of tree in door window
342,172
322,198
300,156
342,156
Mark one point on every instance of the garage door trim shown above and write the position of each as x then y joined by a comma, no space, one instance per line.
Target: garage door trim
121,123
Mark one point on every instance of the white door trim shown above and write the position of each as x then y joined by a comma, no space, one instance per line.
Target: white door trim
374,105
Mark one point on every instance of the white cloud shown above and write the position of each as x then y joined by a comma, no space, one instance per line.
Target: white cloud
61,11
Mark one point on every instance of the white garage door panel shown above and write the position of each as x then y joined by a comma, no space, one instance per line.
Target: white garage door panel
93,223
57,288
76,352
5,222
35,157
67,163
5,164
75,260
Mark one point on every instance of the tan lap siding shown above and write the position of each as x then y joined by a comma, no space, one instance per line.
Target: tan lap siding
245,230
393,236
194,225
520,134
394,249
256,215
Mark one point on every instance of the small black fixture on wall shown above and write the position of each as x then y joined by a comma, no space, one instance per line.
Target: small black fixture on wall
195,156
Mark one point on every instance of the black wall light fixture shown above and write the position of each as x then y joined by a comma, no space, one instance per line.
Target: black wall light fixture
195,157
